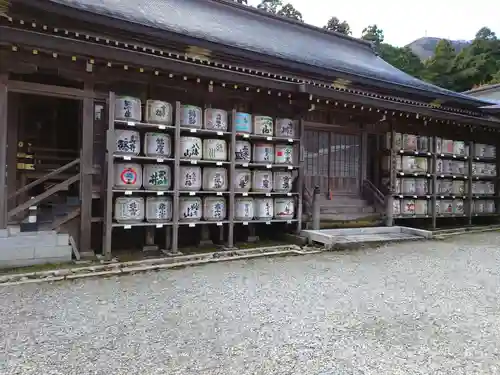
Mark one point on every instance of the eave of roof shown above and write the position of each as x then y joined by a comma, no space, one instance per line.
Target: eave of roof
493,109
483,88
243,29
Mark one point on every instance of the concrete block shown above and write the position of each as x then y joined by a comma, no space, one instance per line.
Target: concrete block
4,233
63,252
14,230
62,239
17,253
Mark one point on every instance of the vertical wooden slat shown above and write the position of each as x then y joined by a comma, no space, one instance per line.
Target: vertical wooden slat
3,150
86,170
177,176
232,175
12,132
434,181
108,197
301,175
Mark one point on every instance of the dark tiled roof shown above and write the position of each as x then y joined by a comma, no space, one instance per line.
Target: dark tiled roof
236,26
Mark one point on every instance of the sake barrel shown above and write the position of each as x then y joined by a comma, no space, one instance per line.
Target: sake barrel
243,123
190,209
398,141
244,209
398,187
408,207
191,116
191,148
283,154
128,142
458,167
479,206
438,207
480,150
128,176
409,186
447,166
214,149
158,145
458,188
128,108
157,177
264,208
243,151
458,207
439,166
439,145
214,208
263,125
284,208
158,112
190,178
421,165
262,181
159,209
489,188
409,142
421,207
263,153
445,187
421,186
215,179
459,148
285,127
282,181
242,181
396,207
491,151
489,207
447,146
386,163
409,164
446,207
215,119
129,209
422,143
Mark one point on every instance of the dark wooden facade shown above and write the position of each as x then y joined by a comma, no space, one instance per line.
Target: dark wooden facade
64,57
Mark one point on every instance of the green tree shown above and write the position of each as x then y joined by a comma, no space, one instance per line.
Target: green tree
439,69
403,59
373,34
289,11
334,24
271,6
241,1
277,7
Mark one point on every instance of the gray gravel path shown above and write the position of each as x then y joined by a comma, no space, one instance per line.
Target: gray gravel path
415,308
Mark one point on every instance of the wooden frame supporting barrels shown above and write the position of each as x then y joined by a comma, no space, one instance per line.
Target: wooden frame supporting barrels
223,169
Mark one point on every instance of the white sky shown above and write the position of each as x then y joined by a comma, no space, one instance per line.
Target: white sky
404,21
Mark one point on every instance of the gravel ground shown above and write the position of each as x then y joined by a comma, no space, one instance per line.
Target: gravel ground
414,308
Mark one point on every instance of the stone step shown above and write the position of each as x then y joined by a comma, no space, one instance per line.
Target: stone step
347,209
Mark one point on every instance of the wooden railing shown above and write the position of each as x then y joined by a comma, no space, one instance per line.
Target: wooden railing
372,194
64,185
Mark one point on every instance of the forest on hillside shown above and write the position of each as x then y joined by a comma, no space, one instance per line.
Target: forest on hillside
475,65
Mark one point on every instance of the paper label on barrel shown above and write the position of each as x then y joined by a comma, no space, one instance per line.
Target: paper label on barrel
128,176
243,122
127,142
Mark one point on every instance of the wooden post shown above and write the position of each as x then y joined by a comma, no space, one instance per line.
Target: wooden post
108,196
434,185
232,176
177,176
364,155
13,123
316,208
3,150
389,199
300,182
469,183
86,170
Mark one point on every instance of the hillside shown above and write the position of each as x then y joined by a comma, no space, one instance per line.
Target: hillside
425,47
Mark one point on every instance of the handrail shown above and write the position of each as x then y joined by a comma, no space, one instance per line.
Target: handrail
375,193
35,200
44,178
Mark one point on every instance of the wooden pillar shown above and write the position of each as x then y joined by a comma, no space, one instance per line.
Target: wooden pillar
364,155
389,199
434,182
300,177
86,170
3,150
108,196
12,133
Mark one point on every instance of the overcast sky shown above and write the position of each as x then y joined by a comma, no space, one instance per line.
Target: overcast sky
404,21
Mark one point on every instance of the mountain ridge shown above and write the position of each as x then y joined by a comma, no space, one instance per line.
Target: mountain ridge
424,47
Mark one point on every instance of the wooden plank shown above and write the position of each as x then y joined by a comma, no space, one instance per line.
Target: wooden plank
86,170
108,175
3,150
12,132
136,58
49,90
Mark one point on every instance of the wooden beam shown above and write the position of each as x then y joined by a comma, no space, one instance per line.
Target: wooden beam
49,90
136,58
326,93
86,170
3,150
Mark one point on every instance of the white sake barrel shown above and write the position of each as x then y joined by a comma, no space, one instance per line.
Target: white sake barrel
264,208
263,153
128,108
447,146
157,177
262,181
159,209
190,209
244,208
158,112
128,176
282,182
421,186
446,207
191,148
128,142
480,150
408,207
129,209
439,145
215,119
285,127
408,163
458,207
243,123
214,149
489,207
243,151
283,154
459,148
191,116
421,207
489,188
386,162
458,167
409,142
215,179
214,208
479,206
242,180
398,141
158,145
396,207
284,208
263,125
409,186
458,187
421,165
422,143
190,178
447,166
